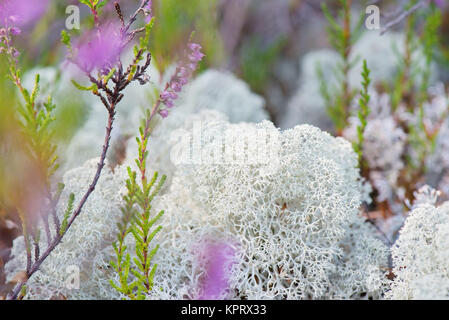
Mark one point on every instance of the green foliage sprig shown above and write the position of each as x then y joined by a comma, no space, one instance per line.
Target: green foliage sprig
135,270
411,85
429,41
257,61
138,221
136,273
406,76
67,214
122,263
93,4
363,112
143,232
342,38
35,119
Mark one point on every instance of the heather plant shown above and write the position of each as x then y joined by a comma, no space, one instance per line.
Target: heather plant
138,221
422,140
401,108
307,105
258,60
342,39
97,55
35,119
363,112
409,95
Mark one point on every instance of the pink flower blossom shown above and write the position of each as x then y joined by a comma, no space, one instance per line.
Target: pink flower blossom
15,52
20,13
15,31
182,75
163,113
101,50
148,10
219,258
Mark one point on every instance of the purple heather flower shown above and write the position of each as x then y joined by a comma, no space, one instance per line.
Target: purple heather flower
196,54
148,11
169,103
20,13
219,259
166,95
182,76
194,46
15,52
102,49
176,86
163,113
15,31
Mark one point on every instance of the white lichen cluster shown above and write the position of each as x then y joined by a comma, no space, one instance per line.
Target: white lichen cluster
159,144
307,106
222,91
86,247
292,214
421,254
221,95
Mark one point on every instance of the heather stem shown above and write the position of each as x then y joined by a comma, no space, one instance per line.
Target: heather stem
36,265
133,18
